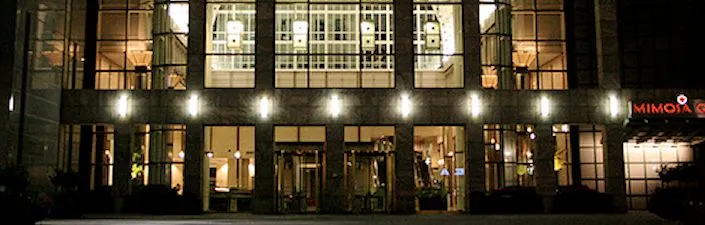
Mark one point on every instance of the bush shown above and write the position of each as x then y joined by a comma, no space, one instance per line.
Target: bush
581,199
515,200
17,203
432,199
99,200
162,200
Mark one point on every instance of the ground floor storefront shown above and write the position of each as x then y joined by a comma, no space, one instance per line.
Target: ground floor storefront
381,169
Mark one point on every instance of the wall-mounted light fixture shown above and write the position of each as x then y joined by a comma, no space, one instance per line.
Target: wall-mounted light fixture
121,105
613,105
335,106
193,104
475,105
11,105
544,107
264,107
405,105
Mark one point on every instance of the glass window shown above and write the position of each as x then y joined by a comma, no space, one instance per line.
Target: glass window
348,44
495,44
230,44
438,48
538,45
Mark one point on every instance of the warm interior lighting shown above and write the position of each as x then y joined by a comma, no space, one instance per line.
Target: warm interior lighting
564,128
544,107
475,105
237,154
405,105
251,169
209,154
486,11
193,105
441,162
121,106
335,106
613,105
179,16
181,154
532,136
264,105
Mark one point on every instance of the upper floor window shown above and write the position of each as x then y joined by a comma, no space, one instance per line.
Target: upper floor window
230,44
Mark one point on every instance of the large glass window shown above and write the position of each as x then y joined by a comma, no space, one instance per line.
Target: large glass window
334,44
642,163
230,151
538,44
124,46
369,168
165,158
170,44
440,167
495,44
510,155
438,45
230,44
591,157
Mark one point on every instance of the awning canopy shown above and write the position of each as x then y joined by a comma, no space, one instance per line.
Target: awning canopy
687,130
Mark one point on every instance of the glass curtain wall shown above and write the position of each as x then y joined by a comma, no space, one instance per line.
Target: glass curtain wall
334,44
230,44
230,151
165,156
510,150
101,155
592,162
170,44
538,44
438,44
495,44
124,46
644,161
440,167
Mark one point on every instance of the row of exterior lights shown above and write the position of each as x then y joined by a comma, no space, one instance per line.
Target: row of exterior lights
335,106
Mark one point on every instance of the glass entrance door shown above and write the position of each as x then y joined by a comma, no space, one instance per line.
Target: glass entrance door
298,171
369,172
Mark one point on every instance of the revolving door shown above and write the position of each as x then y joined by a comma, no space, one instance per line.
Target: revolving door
298,172
369,173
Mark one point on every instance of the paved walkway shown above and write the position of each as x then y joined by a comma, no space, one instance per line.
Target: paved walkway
641,218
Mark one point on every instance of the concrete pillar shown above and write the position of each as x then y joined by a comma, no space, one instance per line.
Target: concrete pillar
607,41
475,163
403,45
264,51
543,164
122,163
471,45
334,194
404,186
85,151
194,166
8,36
613,153
264,193
196,59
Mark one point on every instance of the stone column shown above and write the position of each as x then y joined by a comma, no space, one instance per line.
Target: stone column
543,165
403,45
264,193
122,163
334,194
607,41
613,153
471,45
475,164
8,50
404,186
195,167
196,56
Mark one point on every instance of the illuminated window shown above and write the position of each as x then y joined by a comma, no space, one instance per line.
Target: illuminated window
230,44
348,44
438,48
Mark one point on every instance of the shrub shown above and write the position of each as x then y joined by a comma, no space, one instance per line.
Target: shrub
581,199
515,200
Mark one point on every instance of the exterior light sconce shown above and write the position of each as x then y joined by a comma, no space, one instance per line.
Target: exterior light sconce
335,106
367,29
475,105
234,34
300,39
405,106
11,106
613,105
544,107
264,107
121,106
193,105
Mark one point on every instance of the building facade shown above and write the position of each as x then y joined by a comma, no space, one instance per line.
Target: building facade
351,106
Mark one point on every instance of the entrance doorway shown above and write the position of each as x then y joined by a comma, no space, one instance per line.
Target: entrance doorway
440,167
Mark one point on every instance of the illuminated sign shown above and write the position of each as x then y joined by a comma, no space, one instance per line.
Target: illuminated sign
681,107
